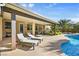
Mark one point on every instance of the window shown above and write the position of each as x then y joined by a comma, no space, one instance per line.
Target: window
7,25
8,34
29,26
21,28
36,27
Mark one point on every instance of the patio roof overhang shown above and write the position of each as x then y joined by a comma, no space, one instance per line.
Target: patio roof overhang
18,10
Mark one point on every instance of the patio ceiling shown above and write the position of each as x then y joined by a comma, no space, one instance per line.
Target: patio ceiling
18,10
24,19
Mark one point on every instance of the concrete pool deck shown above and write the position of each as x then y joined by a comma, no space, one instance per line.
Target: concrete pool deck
49,47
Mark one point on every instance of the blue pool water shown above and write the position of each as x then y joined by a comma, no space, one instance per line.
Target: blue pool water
71,47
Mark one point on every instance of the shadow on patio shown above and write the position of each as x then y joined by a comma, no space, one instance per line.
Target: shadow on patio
55,46
25,48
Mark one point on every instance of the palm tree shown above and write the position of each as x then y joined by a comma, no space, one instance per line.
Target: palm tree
64,24
76,27
54,28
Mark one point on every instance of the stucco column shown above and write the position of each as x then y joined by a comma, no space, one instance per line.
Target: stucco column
13,25
1,23
33,28
0,28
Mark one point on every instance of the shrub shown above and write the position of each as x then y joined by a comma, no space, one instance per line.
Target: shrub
58,33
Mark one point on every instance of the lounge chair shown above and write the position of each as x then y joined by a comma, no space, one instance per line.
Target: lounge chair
26,40
34,37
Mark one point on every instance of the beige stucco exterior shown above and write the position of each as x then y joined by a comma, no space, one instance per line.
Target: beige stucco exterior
1,30
20,20
15,25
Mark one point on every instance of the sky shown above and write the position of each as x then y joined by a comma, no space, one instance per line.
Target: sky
55,11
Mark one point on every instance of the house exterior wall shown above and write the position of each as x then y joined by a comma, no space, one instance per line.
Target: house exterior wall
18,28
41,29
24,21
47,28
1,30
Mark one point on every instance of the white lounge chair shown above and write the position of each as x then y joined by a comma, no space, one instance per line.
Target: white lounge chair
34,37
26,40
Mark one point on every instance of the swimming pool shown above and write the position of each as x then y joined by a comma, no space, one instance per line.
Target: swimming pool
71,47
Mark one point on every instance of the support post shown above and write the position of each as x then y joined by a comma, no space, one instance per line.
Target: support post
1,16
13,24
33,28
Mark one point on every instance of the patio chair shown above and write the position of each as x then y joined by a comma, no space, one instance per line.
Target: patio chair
34,37
25,40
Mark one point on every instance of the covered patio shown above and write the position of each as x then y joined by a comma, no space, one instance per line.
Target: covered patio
15,20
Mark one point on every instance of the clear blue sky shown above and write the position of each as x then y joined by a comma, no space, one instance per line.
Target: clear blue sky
55,11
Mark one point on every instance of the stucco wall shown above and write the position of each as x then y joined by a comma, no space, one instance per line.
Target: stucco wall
47,28
0,28
17,26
